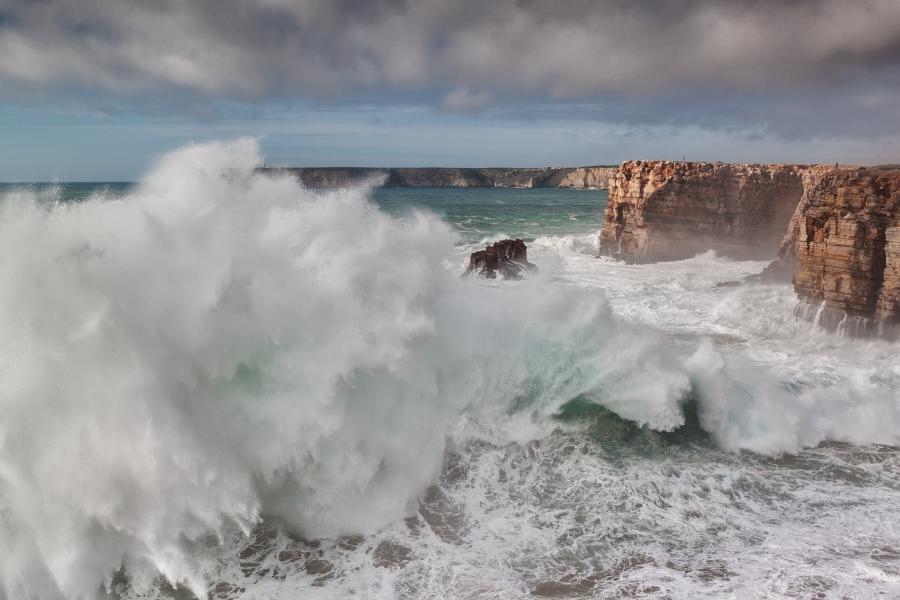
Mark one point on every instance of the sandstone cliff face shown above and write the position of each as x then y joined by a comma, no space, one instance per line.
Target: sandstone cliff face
845,235
565,177
663,210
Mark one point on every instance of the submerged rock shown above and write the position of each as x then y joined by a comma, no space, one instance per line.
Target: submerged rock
508,258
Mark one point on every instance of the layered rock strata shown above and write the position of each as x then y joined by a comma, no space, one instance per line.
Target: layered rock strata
845,238
664,210
550,177
507,258
842,246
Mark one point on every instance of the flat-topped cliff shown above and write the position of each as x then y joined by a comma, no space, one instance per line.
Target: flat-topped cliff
669,210
549,177
845,238
842,247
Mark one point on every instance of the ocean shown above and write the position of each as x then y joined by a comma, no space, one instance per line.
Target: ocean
219,384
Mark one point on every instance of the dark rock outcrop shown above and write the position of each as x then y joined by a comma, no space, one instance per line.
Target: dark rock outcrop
508,258
664,210
845,238
550,177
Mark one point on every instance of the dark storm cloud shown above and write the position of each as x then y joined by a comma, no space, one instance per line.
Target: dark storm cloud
758,61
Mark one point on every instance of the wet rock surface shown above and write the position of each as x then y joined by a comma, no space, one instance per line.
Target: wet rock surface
506,258
845,237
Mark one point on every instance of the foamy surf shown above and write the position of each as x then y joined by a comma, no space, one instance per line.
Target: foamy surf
227,384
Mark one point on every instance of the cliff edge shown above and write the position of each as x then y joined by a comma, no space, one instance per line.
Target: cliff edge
669,210
845,237
841,250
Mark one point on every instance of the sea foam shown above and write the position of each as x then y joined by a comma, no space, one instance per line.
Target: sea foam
219,345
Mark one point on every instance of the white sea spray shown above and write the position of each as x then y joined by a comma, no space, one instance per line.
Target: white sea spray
220,348
219,345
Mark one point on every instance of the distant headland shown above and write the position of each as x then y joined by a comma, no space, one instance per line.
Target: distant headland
594,177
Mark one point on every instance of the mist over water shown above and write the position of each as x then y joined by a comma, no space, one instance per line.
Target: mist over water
221,382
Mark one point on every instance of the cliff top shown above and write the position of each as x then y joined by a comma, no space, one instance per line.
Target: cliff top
358,168
689,164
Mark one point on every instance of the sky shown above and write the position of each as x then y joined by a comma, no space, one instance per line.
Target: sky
94,90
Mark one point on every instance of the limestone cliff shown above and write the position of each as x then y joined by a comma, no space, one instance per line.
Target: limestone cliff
587,178
664,210
845,235
549,177
843,229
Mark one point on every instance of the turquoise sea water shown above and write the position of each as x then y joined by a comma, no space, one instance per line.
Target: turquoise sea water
476,212
519,213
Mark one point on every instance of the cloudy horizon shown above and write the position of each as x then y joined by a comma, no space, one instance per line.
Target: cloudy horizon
93,90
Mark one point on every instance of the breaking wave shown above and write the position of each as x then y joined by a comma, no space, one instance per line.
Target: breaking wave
220,346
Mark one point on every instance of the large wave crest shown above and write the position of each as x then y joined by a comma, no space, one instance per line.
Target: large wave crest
220,345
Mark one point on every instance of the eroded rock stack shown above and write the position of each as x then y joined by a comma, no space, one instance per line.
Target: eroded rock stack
507,258
845,235
665,210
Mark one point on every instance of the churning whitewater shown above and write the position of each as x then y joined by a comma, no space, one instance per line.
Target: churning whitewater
224,383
